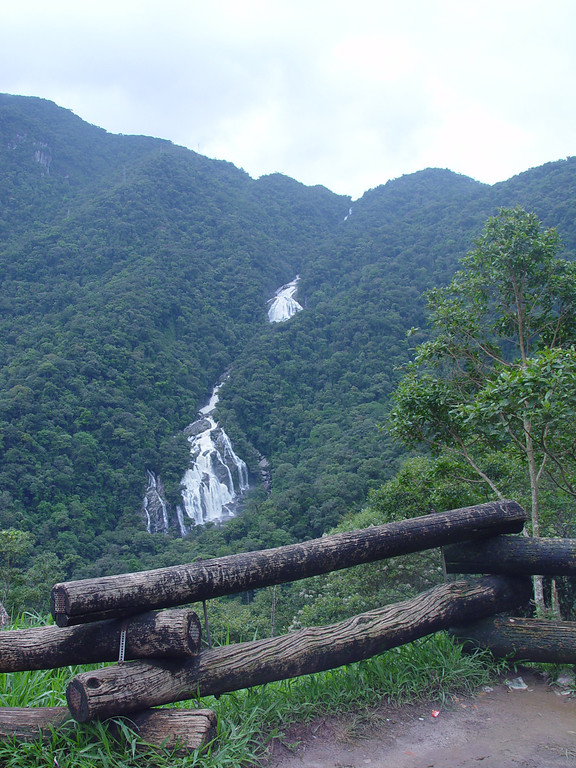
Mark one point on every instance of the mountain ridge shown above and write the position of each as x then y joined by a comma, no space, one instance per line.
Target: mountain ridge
134,272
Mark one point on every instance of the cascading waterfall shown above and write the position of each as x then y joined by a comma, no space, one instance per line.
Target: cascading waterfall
217,478
154,505
213,485
283,305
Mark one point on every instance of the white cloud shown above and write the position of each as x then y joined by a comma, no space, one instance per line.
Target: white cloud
346,95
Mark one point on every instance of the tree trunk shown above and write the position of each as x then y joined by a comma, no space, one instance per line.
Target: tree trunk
173,633
117,690
186,729
77,602
535,511
513,555
537,640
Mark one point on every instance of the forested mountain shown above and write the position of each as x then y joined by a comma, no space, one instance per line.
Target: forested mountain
134,273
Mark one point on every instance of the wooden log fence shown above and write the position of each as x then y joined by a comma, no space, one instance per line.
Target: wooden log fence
171,633
184,730
517,638
77,602
117,690
521,639
105,613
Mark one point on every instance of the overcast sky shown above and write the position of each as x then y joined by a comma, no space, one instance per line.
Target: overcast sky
344,94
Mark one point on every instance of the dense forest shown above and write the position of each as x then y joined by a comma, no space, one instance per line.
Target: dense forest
135,273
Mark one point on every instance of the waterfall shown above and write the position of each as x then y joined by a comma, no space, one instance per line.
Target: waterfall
283,305
217,478
213,485
154,505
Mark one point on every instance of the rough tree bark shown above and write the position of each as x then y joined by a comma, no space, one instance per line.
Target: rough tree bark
185,729
117,690
538,640
518,555
172,633
27,723
77,602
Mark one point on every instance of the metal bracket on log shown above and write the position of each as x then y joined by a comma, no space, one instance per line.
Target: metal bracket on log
78,602
156,634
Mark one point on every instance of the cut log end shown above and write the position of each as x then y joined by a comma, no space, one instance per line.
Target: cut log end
77,701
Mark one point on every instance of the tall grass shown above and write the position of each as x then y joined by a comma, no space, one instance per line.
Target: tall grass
434,668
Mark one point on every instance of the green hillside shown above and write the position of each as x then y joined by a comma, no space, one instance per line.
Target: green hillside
134,273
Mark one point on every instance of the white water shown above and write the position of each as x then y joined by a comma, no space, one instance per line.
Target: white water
216,478
213,484
154,505
283,305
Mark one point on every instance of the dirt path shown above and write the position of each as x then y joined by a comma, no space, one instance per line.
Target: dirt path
500,727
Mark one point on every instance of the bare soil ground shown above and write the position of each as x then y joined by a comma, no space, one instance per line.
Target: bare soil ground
500,727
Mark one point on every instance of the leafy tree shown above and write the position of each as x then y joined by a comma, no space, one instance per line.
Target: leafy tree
535,404
15,546
496,374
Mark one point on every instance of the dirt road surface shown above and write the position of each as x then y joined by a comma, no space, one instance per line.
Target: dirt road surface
500,727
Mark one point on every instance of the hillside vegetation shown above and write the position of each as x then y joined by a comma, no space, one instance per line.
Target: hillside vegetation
134,273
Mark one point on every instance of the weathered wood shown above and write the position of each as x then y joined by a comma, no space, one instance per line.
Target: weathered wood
513,555
116,690
77,602
539,640
184,729
29,724
171,633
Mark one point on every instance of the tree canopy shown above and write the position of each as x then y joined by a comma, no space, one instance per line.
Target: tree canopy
134,273
499,371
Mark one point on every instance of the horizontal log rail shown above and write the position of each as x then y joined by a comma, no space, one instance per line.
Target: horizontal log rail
513,555
520,639
28,723
185,730
78,602
117,690
170,633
